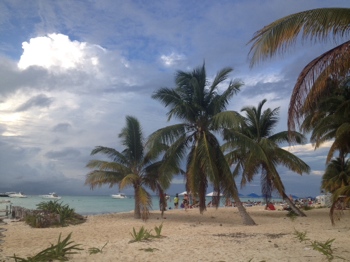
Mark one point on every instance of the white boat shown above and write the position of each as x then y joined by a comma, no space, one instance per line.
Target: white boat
119,196
52,195
18,195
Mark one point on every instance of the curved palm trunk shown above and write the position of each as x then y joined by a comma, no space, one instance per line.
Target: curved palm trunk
292,206
246,218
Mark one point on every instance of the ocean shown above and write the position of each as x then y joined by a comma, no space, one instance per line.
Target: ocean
93,205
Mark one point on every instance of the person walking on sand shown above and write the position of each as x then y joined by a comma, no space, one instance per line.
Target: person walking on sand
176,201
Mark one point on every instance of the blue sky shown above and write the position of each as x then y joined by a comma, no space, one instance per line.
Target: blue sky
70,71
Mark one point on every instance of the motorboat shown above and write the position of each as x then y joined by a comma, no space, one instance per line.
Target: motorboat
4,195
52,195
16,195
119,196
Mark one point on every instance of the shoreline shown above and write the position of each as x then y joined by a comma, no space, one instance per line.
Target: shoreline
217,235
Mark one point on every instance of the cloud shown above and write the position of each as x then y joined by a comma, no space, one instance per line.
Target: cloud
62,127
70,72
63,154
173,59
37,101
53,50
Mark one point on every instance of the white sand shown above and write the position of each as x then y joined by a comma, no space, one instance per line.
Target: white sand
218,235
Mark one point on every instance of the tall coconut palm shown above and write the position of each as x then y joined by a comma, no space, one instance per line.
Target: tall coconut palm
254,149
314,25
131,167
200,107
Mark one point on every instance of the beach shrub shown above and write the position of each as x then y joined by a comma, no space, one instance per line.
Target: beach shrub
60,251
53,213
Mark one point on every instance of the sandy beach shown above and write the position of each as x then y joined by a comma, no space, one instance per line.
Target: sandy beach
217,235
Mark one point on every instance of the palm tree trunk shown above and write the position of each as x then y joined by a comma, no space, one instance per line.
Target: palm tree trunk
246,218
137,211
292,206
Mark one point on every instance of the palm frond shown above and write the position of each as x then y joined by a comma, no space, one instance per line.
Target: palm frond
132,139
99,178
107,166
129,180
333,64
316,24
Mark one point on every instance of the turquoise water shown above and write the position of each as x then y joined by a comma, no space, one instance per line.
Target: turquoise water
92,205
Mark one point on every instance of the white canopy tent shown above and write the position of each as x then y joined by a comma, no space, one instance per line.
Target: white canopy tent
213,194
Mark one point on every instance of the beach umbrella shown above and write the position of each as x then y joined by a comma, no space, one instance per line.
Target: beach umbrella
183,193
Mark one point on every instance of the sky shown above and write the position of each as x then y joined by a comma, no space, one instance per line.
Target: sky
71,71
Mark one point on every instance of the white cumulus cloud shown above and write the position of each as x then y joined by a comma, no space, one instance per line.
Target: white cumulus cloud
57,51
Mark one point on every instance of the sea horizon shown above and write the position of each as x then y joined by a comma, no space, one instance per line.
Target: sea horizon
105,204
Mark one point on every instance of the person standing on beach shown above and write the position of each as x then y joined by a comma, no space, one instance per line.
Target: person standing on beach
176,201
185,201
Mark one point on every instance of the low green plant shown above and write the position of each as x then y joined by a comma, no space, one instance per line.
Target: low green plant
324,248
141,235
300,235
144,234
158,230
60,251
307,208
53,213
95,250
292,215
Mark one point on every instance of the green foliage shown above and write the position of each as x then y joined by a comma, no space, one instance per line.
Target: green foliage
144,234
95,250
292,215
158,230
324,248
141,235
53,213
307,208
300,235
60,251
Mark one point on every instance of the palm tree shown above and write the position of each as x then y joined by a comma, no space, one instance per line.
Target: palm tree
200,107
336,180
314,25
254,148
329,119
130,167
337,175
